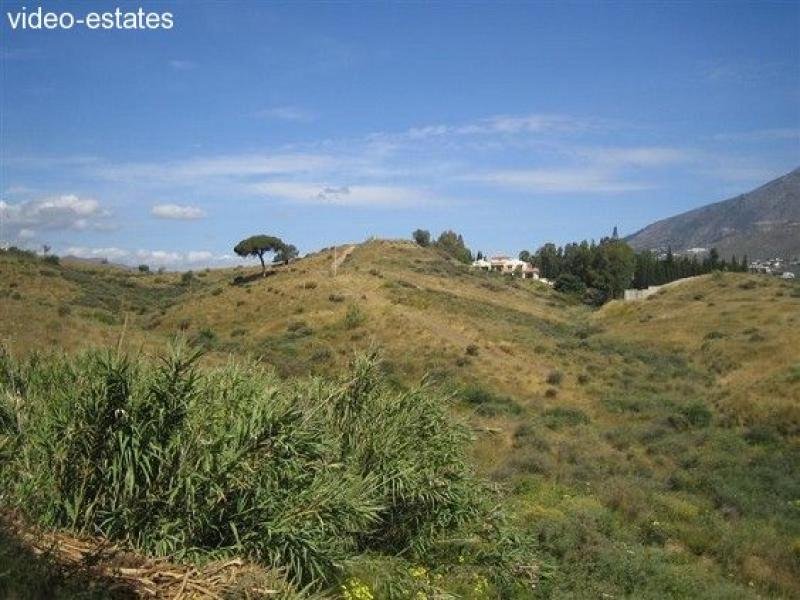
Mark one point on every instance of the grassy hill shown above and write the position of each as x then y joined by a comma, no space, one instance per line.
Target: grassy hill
642,450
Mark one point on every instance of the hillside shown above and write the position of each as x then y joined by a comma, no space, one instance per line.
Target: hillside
763,223
645,449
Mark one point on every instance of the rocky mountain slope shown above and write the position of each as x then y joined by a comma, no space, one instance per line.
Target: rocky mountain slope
763,223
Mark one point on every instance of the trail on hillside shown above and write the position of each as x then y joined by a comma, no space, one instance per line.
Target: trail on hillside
342,257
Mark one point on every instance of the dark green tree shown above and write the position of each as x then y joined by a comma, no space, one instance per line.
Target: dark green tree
286,254
548,259
713,258
614,266
453,244
259,245
567,283
422,237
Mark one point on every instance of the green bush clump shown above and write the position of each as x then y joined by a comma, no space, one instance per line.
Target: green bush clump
489,404
556,418
298,329
555,377
299,474
354,317
697,414
205,338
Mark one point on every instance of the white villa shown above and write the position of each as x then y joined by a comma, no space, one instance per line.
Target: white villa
501,263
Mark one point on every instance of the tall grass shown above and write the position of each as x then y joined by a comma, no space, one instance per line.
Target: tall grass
199,463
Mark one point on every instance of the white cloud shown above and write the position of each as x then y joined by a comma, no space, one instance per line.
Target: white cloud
158,258
53,213
177,212
287,113
111,253
558,181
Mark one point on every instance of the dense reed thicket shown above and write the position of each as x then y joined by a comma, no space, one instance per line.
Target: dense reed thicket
201,463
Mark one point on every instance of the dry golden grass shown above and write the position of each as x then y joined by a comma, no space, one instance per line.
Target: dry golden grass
745,329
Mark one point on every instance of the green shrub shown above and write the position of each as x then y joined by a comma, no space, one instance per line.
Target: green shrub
354,317
321,354
555,377
472,350
205,338
64,310
556,418
697,414
298,329
489,404
232,461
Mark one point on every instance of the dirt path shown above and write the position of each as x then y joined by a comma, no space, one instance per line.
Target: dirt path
340,257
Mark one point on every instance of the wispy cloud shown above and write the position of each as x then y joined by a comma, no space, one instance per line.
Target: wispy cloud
177,212
377,196
182,65
760,135
201,168
559,181
641,156
534,123
740,72
287,113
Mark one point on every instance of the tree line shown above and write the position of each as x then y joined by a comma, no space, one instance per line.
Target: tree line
602,271
595,271
449,242
654,270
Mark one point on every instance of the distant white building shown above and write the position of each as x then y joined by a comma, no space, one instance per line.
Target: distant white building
773,266
501,263
787,275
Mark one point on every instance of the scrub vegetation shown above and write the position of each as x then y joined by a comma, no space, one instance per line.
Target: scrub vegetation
432,432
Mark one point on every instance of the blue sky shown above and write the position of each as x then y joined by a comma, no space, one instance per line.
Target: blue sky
514,124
